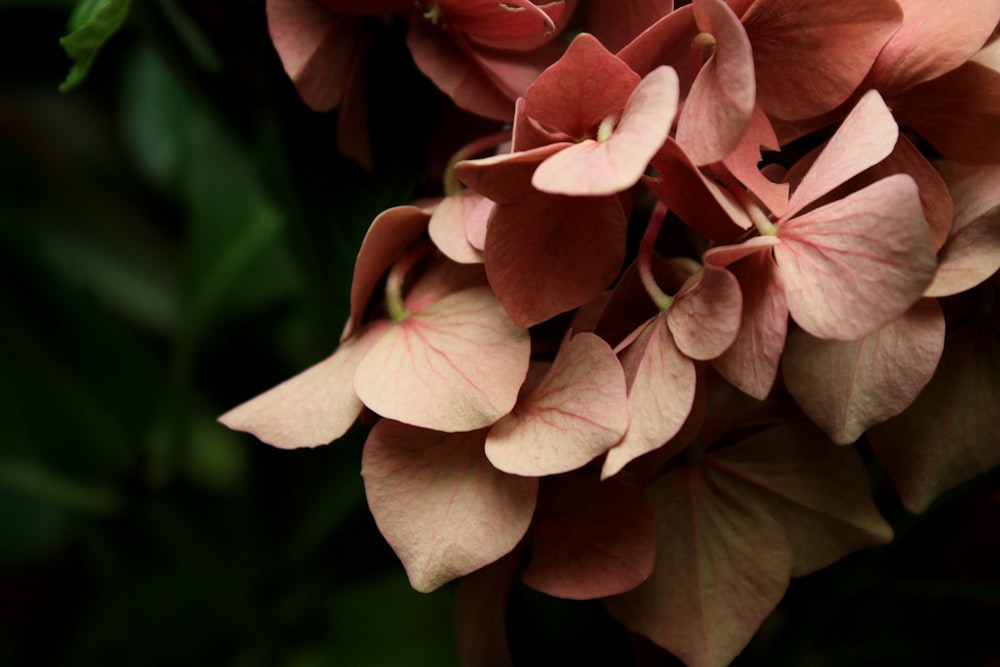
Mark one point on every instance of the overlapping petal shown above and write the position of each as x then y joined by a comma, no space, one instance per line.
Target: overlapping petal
577,412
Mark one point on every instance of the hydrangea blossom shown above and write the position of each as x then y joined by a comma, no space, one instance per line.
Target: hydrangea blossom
668,425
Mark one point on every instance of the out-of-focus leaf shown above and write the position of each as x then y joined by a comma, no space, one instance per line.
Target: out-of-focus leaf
92,23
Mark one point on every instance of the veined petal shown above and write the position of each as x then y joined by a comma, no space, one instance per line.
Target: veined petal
858,263
846,387
866,137
661,389
719,104
456,365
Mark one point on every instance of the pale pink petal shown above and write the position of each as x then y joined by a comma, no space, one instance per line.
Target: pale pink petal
846,387
820,493
811,55
439,503
973,251
317,49
313,408
715,548
666,42
743,160
456,365
938,209
389,235
448,224
476,223
866,137
615,24
949,435
751,362
584,87
578,412
933,40
854,265
705,315
719,104
661,389
593,168
590,539
970,257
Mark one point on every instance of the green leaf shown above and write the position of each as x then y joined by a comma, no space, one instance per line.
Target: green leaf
92,23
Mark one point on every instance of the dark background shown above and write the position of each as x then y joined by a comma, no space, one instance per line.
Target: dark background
178,235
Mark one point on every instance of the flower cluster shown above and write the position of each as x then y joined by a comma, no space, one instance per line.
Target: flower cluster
713,242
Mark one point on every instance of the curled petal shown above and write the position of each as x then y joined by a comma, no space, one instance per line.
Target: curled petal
593,168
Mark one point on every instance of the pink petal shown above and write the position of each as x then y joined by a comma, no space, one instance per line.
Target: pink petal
317,48
590,539
661,389
616,24
719,104
387,237
854,265
438,502
448,224
949,435
958,113
866,137
751,362
456,365
811,55
743,160
548,254
581,89
577,413
592,168
456,74
972,253
705,315
666,42
846,387
931,42
313,408
737,526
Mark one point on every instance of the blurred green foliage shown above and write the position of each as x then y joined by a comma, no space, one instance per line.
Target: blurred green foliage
177,235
